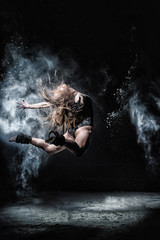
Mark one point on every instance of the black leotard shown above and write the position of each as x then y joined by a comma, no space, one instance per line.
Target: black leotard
83,117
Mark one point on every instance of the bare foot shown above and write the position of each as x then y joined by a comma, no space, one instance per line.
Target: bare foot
12,139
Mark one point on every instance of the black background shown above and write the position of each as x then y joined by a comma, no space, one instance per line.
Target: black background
96,34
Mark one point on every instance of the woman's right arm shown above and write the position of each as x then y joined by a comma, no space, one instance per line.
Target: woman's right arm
25,105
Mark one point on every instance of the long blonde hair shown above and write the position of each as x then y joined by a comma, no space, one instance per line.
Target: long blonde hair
59,108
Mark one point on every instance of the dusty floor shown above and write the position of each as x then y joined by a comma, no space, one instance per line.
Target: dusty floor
122,215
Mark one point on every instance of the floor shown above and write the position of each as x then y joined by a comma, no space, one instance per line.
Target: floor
72,215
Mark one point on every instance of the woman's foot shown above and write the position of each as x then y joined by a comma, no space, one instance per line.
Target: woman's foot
12,139
21,138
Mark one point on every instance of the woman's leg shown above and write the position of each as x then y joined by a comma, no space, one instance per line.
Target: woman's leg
40,143
49,148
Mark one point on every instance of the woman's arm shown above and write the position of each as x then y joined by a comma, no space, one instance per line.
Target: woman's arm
25,105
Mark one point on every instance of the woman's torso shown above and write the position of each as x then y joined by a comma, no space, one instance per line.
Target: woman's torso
81,113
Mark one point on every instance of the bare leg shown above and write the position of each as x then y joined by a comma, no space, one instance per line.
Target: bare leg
40,143
49,148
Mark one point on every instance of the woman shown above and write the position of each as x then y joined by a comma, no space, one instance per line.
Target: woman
70,111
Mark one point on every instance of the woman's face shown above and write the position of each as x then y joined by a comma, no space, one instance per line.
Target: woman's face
62,91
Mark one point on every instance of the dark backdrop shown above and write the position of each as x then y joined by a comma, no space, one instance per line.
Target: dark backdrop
96,35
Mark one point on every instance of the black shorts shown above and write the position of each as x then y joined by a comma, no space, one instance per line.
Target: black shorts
86,122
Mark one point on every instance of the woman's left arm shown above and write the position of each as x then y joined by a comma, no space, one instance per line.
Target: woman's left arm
25,105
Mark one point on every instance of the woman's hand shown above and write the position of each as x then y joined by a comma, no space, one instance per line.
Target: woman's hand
23,105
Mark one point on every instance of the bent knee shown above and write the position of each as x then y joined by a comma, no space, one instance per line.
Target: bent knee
51,148
48,148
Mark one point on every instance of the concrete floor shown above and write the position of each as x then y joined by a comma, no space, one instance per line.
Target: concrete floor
122,215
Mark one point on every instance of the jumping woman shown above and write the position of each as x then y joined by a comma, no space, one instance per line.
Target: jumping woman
70,112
